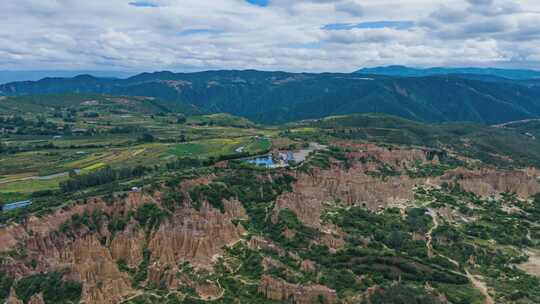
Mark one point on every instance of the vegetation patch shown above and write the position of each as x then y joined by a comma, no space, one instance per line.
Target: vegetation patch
5,285
55,289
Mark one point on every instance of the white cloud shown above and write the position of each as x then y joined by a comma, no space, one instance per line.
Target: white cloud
350,7
285,35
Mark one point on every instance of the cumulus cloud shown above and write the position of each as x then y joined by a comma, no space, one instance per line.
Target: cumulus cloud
480,2
303,35
447,14
494,8
350,7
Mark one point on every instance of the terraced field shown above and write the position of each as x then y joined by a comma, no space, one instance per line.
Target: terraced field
109,132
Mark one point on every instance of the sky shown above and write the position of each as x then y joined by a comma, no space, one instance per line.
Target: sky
289,35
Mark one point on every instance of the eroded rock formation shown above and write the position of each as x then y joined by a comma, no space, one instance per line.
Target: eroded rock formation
279,290
196,236
199,236
355,186
93,256
488,182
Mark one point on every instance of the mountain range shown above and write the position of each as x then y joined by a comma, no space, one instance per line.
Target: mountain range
12,76
277,97
404,71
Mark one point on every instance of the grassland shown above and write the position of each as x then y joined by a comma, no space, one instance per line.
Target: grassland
31,185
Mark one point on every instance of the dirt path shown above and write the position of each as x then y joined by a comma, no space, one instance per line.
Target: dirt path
36,177
477,283
301,155
532,266
222,292
133,296
429,236
503,125
481,286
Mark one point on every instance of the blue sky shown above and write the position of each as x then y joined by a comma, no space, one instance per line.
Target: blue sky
300,35
143,4
259,2
399,25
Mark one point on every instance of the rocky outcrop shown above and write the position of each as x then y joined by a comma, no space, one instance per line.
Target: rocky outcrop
332,240
395,156
163,275
90,262
12,299
260,243
351,186
279,290
42,226
36,299
103,281
355,186
308,266
83,252
208,291
235,210
128,245
195,236
487,182
92,256
13,234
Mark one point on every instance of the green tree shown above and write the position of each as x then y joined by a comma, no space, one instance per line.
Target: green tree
401,294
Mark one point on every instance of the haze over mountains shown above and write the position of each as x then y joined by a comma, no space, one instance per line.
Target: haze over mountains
404,71
277,97
12,76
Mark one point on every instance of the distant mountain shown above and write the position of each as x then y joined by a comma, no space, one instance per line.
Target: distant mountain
40,104
276,97
12,76
403,71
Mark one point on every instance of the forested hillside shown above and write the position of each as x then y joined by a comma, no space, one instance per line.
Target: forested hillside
276,97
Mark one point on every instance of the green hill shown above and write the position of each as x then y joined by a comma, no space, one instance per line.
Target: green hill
514,145
277,97
39,104
222,120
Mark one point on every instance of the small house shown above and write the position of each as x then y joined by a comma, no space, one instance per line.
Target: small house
290,156
78,131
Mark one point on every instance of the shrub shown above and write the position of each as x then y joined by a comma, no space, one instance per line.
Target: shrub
149,215
55,289
401,294
5,285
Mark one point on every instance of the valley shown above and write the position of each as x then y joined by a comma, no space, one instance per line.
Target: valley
133,204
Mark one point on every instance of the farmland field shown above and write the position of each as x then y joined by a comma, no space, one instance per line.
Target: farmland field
110,132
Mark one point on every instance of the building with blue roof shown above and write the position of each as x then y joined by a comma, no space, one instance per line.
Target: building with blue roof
16,205
265,161
290,156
